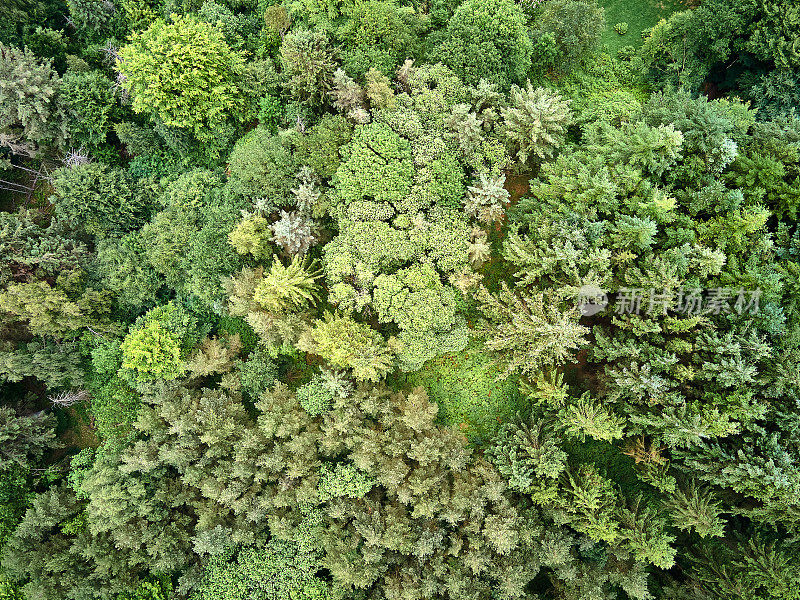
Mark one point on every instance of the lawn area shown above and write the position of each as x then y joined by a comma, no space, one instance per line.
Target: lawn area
639,15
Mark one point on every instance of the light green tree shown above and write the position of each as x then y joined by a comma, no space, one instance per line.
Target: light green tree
184,73
291,287
346,344
535,122
530,331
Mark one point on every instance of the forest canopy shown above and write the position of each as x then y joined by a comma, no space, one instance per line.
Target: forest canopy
398,300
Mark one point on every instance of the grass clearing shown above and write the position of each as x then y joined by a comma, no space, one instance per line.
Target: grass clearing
639,15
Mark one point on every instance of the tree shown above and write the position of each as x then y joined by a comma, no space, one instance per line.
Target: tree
376,34
294,232
486,201
347,344
288,288
487,39
573,27
260,166
278,331
185,74
252,236
531,330
696,508
32,246
24,439
31,113
319,147
150,352
277,570
436,522
309,63
89,101
123,266
52,552
535,123
55,365
99,199
52,311
378,166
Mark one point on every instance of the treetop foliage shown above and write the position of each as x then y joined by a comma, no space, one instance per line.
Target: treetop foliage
391,300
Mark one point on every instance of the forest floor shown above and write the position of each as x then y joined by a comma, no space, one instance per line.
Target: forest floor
639,15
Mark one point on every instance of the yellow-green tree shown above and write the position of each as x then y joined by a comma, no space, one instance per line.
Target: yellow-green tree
185,74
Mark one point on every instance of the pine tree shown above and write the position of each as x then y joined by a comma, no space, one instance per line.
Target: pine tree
291,288
24,439
308,60
696,508
31,113
294,232
486,201
530,330
347,344
50,311
535,123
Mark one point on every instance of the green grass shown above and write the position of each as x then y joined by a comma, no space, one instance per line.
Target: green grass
639,15
470,397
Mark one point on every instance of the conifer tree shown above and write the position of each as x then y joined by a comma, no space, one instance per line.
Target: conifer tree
535,122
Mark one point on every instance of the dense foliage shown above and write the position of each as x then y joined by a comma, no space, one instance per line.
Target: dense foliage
379,299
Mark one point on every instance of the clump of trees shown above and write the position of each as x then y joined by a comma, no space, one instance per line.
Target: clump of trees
395,300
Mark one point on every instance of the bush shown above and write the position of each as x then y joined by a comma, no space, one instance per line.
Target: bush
621,28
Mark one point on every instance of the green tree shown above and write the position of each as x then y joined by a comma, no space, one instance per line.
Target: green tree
530,331
261,166
346,344
55,365
122,263
24,439
89,101
378,166
376,34
487,39
31,113
535,123
150,353
292,287
52,311
184,73
573,27
99,199
309,63
275,571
